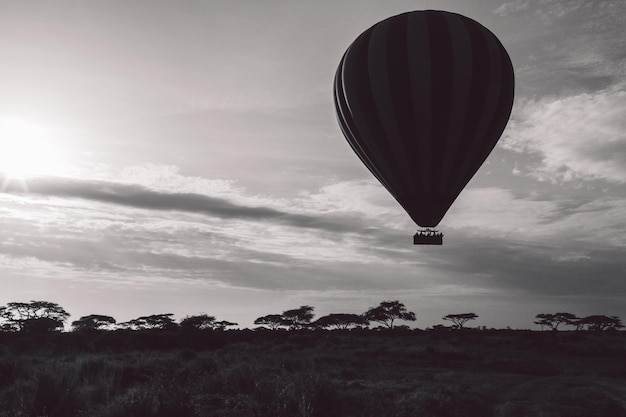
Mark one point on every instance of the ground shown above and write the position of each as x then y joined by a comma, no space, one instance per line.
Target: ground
440,373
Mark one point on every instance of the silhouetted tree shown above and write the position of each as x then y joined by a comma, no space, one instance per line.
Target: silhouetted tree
459,320
92,322
273,321
298,317
600,323
17,314
552,321
42,325
387,312
223,324
341,321
155,321
200,322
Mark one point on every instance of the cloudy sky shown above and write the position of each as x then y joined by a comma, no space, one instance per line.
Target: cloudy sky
184,157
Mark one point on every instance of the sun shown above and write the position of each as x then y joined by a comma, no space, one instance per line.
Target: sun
29,149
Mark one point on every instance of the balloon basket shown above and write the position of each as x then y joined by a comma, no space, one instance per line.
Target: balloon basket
428,237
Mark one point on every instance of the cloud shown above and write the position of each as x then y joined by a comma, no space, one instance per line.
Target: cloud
496,240
497,211
560,269
512,7
565,47
131,230
136,196
580,137
167,178
550,11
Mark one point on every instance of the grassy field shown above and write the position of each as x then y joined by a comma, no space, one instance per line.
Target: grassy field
314,373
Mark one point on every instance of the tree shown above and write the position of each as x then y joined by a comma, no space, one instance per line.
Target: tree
223,324
298,317
93,322
341,321
552,321
203,322
600,323
42,325
200,322
459,320
387,312
273,321
155,321
17,314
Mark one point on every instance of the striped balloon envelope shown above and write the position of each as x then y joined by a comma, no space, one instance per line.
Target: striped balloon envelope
422,98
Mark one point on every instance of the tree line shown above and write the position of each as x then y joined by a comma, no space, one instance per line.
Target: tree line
39,316
43,316
595,323
385,314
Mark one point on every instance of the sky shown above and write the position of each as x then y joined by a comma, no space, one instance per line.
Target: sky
184,157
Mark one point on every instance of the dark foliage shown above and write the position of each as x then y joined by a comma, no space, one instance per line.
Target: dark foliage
387,312
36,315
459,320
272,321
341,321
298,318
92,322
347,373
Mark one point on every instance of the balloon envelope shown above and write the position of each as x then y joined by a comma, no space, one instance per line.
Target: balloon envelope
422,99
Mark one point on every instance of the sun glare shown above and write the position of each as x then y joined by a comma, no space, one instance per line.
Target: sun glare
28,149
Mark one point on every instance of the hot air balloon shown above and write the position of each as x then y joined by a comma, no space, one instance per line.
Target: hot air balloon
422,98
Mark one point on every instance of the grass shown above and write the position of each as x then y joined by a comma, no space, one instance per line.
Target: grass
280,374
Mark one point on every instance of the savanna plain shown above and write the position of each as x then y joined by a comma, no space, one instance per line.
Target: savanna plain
297,373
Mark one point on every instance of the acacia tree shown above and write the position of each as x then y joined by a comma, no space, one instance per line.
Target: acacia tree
273,321
387,312
203,322
600,323
199,322
341,321
223,324
458,320
552,321
298,318
34,315
93,322
153,322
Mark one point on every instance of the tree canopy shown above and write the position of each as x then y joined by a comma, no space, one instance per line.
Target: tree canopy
552,321
155,321
273,321
22,316
298,318
93,322
458,320
341,321
600,322
199,322
387,312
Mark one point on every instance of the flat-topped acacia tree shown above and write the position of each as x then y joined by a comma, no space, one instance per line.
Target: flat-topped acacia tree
387,312
341,321
459,320
93,322
273,321
298,318
34,315
552,321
